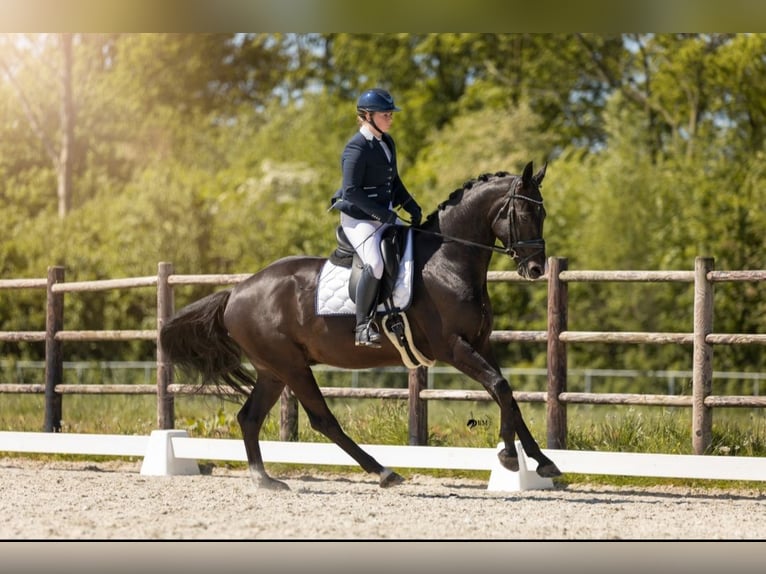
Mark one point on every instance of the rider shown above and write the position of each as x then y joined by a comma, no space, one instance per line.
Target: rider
370,191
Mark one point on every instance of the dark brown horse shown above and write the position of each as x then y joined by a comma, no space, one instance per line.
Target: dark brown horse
271,319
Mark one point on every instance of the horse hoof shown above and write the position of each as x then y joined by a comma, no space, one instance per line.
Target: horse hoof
389,478
549,470
269,483
508,461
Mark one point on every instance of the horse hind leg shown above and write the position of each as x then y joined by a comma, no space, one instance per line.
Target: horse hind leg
326,423
251,417
322,420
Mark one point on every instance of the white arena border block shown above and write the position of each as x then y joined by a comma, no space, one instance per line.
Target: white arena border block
160,458
503,480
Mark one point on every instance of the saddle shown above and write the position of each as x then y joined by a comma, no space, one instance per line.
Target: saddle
392,248
395,323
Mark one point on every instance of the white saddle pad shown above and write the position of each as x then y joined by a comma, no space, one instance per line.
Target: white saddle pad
332,287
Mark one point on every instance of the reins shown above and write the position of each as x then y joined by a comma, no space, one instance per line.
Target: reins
495,248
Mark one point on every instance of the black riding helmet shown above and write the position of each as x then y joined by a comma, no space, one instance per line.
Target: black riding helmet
376,100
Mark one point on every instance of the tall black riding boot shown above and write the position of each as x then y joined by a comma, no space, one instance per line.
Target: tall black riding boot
366,332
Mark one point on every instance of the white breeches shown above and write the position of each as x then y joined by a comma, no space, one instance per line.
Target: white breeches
365,236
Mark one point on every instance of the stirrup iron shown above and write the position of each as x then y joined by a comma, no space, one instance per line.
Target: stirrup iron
367,335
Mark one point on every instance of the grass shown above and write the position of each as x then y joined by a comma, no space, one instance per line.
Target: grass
736,432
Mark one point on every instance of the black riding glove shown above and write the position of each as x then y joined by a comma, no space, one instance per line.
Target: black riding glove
416,214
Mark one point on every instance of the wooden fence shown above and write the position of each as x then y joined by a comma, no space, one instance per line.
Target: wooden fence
556,337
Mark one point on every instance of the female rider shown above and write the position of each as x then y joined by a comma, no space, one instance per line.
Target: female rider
371,190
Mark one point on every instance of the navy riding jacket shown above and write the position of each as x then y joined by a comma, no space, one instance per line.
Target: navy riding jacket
371,184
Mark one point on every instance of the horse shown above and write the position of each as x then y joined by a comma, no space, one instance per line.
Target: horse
271,319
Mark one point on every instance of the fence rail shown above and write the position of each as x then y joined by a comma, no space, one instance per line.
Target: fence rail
556,336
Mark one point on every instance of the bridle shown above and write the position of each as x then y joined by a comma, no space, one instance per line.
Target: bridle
514,244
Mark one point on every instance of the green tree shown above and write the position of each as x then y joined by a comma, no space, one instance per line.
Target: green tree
219,152
35,98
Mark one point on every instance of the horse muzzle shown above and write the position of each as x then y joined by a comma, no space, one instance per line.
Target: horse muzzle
534,265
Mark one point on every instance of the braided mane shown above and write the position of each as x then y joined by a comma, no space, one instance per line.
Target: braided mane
456,196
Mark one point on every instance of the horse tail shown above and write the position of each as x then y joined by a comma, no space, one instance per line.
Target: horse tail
197,342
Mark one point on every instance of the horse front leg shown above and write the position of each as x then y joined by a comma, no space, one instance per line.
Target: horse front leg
508,457
251,416
483,369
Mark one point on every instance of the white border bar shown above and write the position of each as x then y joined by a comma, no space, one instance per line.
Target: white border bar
568,461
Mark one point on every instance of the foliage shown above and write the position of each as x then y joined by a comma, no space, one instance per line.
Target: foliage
219,152
635,431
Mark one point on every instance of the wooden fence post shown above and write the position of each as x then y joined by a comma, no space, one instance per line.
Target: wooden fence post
557,354
417,380
288,416
165,305
702,359
54,354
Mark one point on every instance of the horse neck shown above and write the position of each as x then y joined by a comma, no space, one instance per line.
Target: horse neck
471,219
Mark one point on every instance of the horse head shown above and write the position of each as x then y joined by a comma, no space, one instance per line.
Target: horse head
519,223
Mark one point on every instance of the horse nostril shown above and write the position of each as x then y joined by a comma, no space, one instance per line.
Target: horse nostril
535,271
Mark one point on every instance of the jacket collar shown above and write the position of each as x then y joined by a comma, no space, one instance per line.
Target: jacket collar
366,132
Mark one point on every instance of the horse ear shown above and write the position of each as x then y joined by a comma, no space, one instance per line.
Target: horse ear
541,174
526,177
